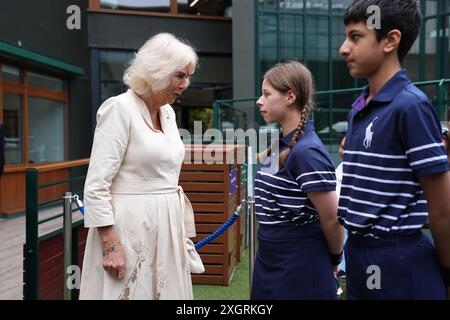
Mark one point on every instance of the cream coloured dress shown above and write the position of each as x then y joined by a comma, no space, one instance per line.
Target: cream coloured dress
132,182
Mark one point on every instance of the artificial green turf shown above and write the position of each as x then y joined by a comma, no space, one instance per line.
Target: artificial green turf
239,287
237,290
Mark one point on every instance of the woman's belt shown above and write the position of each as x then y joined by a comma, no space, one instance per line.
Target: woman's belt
155,188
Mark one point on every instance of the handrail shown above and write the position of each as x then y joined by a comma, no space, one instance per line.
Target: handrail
440,82
12,168
348,90
61,182
59,165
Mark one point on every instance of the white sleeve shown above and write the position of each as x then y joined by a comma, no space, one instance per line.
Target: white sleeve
110,142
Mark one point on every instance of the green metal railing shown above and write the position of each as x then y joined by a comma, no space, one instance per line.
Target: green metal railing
332,107
33,239
327,100
330,110
308,33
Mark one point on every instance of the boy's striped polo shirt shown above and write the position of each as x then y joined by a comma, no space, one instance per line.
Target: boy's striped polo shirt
391,142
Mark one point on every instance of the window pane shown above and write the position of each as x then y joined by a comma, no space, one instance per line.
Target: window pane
431,7
11,74
217,70
114,63
292,5
341,76
46,130
291,36
447,6
411,61
430,49
207,8
317,6
268,35
267,4
43,81
13,122
144,5
112,67
317,50
340,4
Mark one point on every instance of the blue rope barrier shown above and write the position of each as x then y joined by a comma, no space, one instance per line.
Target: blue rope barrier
219,231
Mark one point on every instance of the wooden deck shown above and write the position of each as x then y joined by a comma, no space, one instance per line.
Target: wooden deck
12,239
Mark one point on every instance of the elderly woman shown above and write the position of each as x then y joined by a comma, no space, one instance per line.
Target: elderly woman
138,217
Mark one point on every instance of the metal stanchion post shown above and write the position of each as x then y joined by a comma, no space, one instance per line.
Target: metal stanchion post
67,242
251,214
252,253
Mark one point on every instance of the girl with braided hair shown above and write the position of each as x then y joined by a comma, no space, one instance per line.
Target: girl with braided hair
300,238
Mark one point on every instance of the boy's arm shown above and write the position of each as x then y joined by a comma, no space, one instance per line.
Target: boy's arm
437,192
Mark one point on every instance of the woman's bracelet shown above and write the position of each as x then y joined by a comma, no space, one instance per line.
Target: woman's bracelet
110,248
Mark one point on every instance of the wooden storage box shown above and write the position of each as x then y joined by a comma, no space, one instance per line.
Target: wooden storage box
214,192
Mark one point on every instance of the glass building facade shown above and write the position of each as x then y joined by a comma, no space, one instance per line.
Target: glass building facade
309,31
312,32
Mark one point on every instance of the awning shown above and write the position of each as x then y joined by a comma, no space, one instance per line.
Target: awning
35,59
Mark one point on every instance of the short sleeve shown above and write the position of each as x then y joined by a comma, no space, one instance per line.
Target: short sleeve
109,146
313,170
421,139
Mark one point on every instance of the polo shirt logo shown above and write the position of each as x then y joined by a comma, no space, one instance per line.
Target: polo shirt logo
369,134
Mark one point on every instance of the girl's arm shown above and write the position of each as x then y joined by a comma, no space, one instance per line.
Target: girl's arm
326,203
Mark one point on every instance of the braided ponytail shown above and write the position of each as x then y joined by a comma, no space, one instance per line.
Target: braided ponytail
298,132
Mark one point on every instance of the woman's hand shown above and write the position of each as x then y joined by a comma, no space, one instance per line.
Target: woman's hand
114,259
112,251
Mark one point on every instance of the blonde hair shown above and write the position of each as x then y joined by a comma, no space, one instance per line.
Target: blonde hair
292,76
156,61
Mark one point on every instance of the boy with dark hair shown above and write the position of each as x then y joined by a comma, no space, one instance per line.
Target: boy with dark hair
395,168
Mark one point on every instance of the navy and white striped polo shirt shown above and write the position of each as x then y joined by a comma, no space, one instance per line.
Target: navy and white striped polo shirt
391,141
281,195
